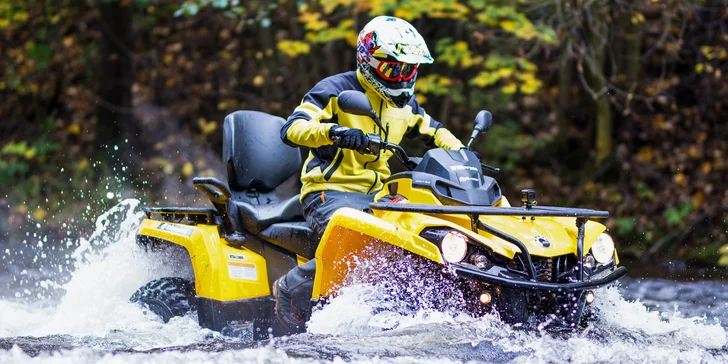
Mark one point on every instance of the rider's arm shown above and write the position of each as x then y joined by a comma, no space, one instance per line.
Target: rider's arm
310,123
431,129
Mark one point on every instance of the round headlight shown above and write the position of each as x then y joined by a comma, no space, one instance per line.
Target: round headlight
454,246
603,249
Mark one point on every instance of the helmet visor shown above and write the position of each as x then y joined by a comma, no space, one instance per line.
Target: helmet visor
394,71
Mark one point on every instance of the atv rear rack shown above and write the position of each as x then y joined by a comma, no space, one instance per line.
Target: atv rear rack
194,215
581,215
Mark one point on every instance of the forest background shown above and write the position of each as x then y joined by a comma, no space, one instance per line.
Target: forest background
617,105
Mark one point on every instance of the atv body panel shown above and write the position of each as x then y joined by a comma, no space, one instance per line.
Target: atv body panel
222,272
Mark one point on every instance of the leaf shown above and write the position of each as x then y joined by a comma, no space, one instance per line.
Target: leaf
509,88
220,4
41,53
293,48
39,214
188,8
485,78
508,25
625,225
207,127
187,169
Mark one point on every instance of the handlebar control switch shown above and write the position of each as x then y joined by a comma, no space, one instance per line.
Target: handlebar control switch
528,197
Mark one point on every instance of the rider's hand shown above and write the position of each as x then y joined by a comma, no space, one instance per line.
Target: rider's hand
348,138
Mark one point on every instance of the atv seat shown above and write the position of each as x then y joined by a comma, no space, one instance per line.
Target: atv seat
279,223
255,218
295,237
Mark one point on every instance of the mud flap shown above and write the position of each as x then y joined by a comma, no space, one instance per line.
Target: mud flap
572,318
512,305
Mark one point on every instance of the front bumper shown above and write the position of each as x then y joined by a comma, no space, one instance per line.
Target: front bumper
500,276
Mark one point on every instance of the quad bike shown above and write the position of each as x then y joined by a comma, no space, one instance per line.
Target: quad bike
521,262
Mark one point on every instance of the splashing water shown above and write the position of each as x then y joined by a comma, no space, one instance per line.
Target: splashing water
108,268
366,322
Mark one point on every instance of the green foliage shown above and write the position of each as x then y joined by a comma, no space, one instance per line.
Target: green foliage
192,7
507,143
18,157
644,191
675,216
625,225
518,73
498,55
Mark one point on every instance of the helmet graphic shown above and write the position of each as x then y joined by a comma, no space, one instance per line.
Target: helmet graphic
389,50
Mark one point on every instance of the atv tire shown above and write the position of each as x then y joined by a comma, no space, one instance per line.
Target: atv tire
167,297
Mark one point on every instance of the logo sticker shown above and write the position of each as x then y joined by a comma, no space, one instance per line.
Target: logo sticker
410,49
177,229
463,168
543,241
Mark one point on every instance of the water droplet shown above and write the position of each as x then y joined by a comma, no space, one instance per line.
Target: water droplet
109,195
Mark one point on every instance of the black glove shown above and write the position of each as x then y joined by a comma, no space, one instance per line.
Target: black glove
348,138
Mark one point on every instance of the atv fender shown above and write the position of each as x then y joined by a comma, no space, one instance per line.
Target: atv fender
222,272
352,233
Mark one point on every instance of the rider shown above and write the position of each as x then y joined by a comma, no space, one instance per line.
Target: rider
336,175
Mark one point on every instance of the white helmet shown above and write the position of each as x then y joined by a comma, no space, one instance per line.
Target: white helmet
389,50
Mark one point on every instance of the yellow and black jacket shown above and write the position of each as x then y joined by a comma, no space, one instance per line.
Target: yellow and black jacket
331,168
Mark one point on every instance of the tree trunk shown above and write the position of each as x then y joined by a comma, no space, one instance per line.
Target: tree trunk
596,57
115,78
632,39
566,69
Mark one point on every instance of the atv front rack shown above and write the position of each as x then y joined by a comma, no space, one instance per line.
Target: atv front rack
581,215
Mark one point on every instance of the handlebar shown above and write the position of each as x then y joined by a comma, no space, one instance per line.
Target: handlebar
375,145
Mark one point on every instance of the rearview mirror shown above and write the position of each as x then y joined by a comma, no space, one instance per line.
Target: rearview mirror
483,121
355,102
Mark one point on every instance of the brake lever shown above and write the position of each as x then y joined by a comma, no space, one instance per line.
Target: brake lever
489,168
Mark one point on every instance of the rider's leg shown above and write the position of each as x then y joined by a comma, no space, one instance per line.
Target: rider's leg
318,207
293,291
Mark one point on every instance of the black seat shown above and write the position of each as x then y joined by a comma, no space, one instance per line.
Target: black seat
255,218
296,237
263,172
259,165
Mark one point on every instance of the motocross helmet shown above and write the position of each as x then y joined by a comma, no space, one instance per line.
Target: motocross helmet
389,50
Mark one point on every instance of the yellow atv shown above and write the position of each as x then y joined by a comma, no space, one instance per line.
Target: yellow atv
521,262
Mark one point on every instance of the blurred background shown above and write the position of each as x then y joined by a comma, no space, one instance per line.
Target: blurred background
617,105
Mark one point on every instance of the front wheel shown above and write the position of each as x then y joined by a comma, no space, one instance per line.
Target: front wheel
167,297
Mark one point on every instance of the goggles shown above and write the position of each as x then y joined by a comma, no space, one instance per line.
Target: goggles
394,71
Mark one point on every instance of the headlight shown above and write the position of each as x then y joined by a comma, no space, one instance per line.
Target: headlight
603,249
454,246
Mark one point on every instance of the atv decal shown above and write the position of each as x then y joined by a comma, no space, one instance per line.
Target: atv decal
543,241
177,229
463,168
242,270
236,256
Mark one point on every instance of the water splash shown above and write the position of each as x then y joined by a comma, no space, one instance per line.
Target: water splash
108,267
363,323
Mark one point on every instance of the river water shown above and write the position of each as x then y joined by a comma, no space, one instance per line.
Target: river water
67,302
